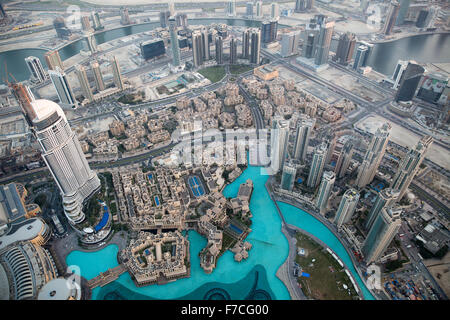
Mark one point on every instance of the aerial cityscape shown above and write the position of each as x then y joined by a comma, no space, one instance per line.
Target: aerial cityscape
224,150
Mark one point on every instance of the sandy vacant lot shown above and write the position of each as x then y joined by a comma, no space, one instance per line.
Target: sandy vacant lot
441,268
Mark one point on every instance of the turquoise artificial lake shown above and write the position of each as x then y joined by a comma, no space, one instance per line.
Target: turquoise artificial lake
254,278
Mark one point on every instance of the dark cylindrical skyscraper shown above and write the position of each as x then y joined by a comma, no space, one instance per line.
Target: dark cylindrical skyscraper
409,82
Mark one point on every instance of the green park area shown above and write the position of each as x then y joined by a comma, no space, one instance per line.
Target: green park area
236,69
213,74
327,278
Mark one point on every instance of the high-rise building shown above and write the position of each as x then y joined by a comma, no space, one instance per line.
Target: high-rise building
171,8
53,60
124,16
182,20
346,46
391,18
24,97
63,156
153,48
255,45
381,234
91,42
432,87
96,23
289,43
309,4
205,47
360,56
402,11
85,23
279,139
2,12
63,89
231,8
409,82
269,30
249,9
346,158
300,6
410,165
317,165
60,27
84,83
385,198
197,48
36,69
99,83
305,125
274,10
288,176
118,81
246,44
219,50
323,43
398,73
233,51
164,18
311,37
346,207
368,53
373,156
259,9
324,190
176,56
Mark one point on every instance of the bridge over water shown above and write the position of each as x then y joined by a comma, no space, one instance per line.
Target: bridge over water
106,277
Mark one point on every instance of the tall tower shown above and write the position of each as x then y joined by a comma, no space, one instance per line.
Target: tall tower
385,198
53,60
288,176
269,29
360,56
219,50
176,60
36,69
305,125
391,18
300,6
279,138
380,235
324,190
323,43
402,11
98,76
124,16
274,10
409,82
249,9
345,159
346,207
255,45
91,42
410,165
289,43
373,156
63,89
317,165
164,18
64,158
246,44
118,81
96,23
85,23
197,48
233,51
310,38
259,9
84,83
231,8
346,46
24,97
205,46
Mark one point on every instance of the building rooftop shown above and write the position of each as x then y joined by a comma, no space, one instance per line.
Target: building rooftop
22,231
11,206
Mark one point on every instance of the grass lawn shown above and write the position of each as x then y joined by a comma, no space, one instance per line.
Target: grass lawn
323,284
214,74
239,68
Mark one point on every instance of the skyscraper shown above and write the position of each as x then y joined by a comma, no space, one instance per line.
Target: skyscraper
246,44
118,81
219,50
317,165
64,158
402,11
398,73
171,8
269,30
360,56
259,9
182,20
36,69
91,42
279,138
255,45
124,16
323,43
24,97
324,190
373,156
60,27
310,38
305,125
53,60
410,165
205,46
231,8
288,176
391,18
346,46
274,10
233,51
368,53
249,9
289,43
99,83
63,89
96,23
309,4
409,82
346,158
346,207
176,60
85,23
164,18
380,235
385,198
300,6
197,48
84,83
